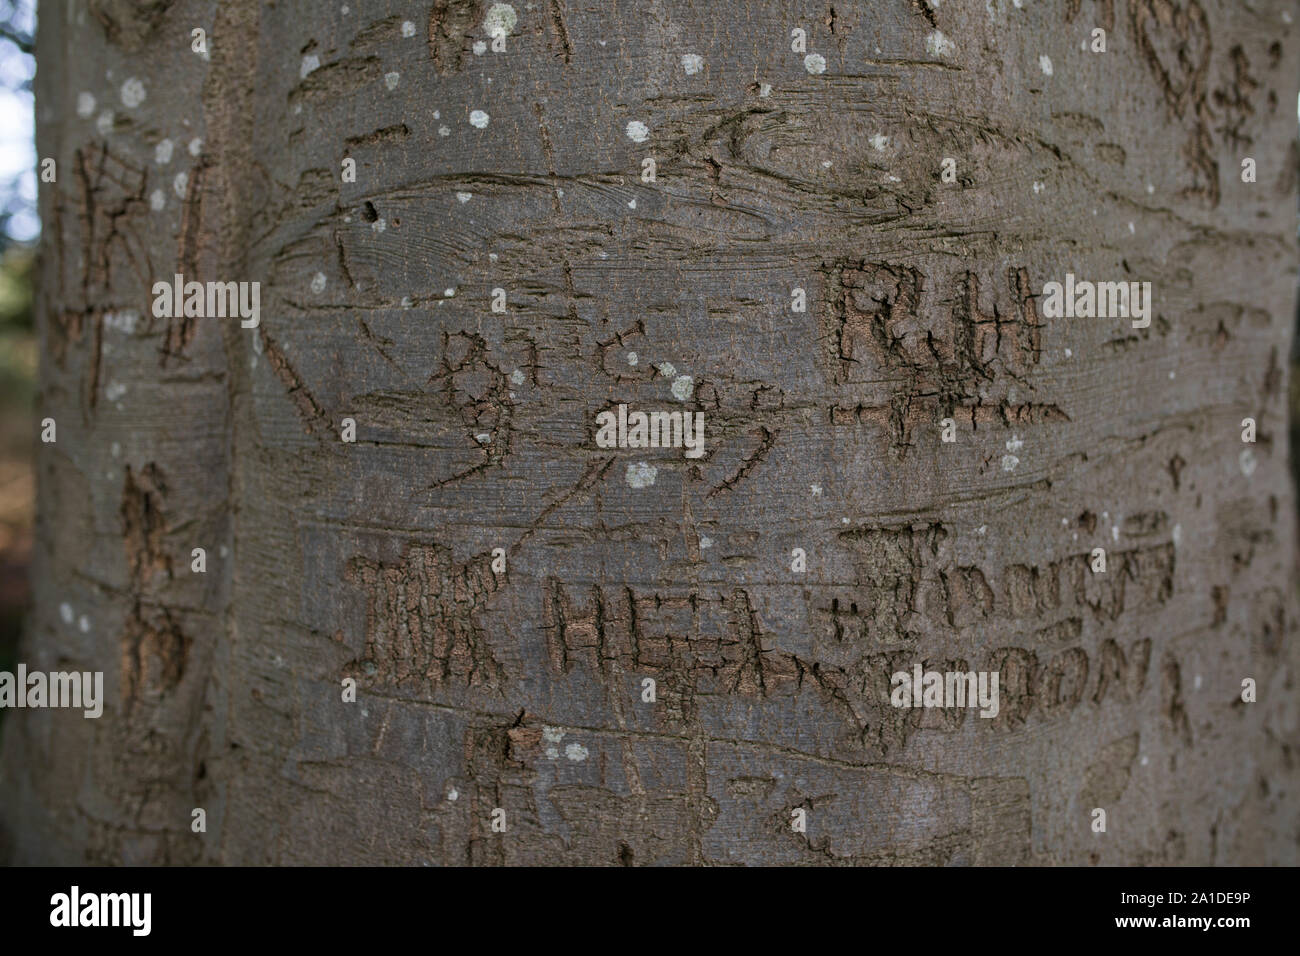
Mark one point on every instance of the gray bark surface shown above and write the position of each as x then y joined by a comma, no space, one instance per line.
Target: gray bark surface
475,430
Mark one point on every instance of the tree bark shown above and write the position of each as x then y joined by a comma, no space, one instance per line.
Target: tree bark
776,169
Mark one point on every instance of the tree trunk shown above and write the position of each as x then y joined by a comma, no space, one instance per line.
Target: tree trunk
827,538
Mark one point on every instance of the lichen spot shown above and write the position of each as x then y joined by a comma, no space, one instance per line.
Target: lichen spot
500,20
132,93
575,752
937,44
641,474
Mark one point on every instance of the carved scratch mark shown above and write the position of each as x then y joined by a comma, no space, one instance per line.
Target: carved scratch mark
767,439
561,29
313,415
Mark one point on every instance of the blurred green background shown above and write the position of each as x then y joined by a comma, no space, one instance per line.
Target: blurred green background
17,434
19,228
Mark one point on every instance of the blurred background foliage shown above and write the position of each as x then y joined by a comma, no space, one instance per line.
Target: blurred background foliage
19,229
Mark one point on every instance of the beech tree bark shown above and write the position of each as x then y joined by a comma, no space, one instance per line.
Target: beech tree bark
655,189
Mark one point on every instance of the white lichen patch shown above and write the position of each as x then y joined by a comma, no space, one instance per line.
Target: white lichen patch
392,79
162,153
408,28
879,141
683,388
814,63
1045,64
478,119
1247,462
157,200
500,20
464,197
310,62
576,752
692,63
641,474
937,44
132,93
123,321
637,131
181,183
318,283
85,105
